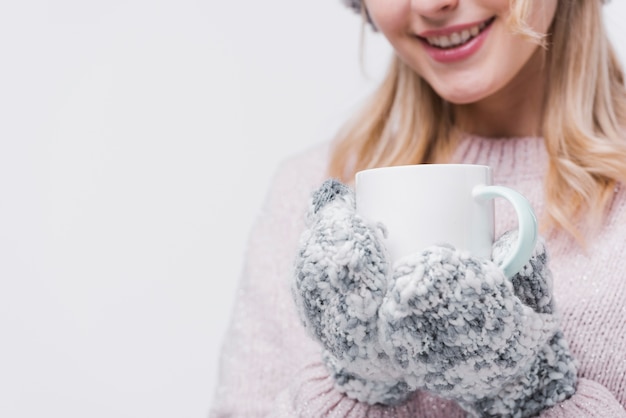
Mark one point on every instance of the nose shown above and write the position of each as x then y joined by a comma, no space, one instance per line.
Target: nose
433,9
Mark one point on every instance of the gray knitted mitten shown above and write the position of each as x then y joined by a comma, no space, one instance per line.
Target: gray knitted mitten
440,320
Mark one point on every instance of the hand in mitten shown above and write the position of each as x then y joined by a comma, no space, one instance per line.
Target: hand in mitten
439,320
341,278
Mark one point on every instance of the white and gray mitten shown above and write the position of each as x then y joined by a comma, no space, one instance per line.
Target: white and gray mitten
440,320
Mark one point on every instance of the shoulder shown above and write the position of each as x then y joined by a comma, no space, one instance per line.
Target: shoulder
278,225
298,175
310,163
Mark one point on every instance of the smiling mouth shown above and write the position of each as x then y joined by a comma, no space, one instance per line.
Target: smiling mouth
456,39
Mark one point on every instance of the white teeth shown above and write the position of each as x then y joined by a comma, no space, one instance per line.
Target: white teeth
456,38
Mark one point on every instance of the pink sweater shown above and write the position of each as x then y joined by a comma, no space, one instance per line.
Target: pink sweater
271,368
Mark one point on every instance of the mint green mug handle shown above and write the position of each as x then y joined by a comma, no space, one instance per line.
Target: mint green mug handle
527,226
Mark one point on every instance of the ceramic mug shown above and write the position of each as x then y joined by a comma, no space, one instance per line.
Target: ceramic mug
427,204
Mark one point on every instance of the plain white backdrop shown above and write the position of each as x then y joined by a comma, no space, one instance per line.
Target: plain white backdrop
137,142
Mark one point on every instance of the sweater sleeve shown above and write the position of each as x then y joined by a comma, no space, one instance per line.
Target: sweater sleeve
311,394
591,400
264,343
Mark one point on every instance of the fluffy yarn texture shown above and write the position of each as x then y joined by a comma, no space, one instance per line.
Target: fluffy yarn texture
440,320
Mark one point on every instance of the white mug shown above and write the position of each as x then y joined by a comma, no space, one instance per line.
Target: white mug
428,204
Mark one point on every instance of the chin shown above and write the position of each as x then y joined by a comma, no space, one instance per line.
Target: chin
466,93
466,87
464,98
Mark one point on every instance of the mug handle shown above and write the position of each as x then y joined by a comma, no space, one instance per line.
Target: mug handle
527,226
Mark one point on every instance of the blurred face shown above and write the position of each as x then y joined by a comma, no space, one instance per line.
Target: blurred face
462,48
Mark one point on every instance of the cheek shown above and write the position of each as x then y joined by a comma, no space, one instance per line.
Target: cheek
391,17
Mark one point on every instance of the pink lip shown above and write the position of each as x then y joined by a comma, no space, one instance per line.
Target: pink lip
459,53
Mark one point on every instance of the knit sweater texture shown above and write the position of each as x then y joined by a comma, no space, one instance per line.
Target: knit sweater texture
270,367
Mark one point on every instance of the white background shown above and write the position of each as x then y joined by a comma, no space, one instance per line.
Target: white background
137,141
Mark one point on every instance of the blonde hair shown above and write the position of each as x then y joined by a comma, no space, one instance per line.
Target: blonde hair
584,117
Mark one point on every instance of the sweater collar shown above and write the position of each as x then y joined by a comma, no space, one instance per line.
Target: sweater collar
521,156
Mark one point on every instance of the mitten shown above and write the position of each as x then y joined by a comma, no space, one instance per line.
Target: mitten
440,320
341,278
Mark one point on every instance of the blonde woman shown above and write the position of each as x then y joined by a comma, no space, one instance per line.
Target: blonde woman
534,90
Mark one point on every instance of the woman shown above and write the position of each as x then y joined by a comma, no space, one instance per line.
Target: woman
530,88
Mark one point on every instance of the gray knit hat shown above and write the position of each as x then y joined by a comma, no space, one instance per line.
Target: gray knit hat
353,4
356,6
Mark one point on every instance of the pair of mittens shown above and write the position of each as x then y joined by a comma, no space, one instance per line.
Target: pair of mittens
440,320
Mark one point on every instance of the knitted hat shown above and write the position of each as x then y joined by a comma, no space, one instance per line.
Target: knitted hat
353,4
356,6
